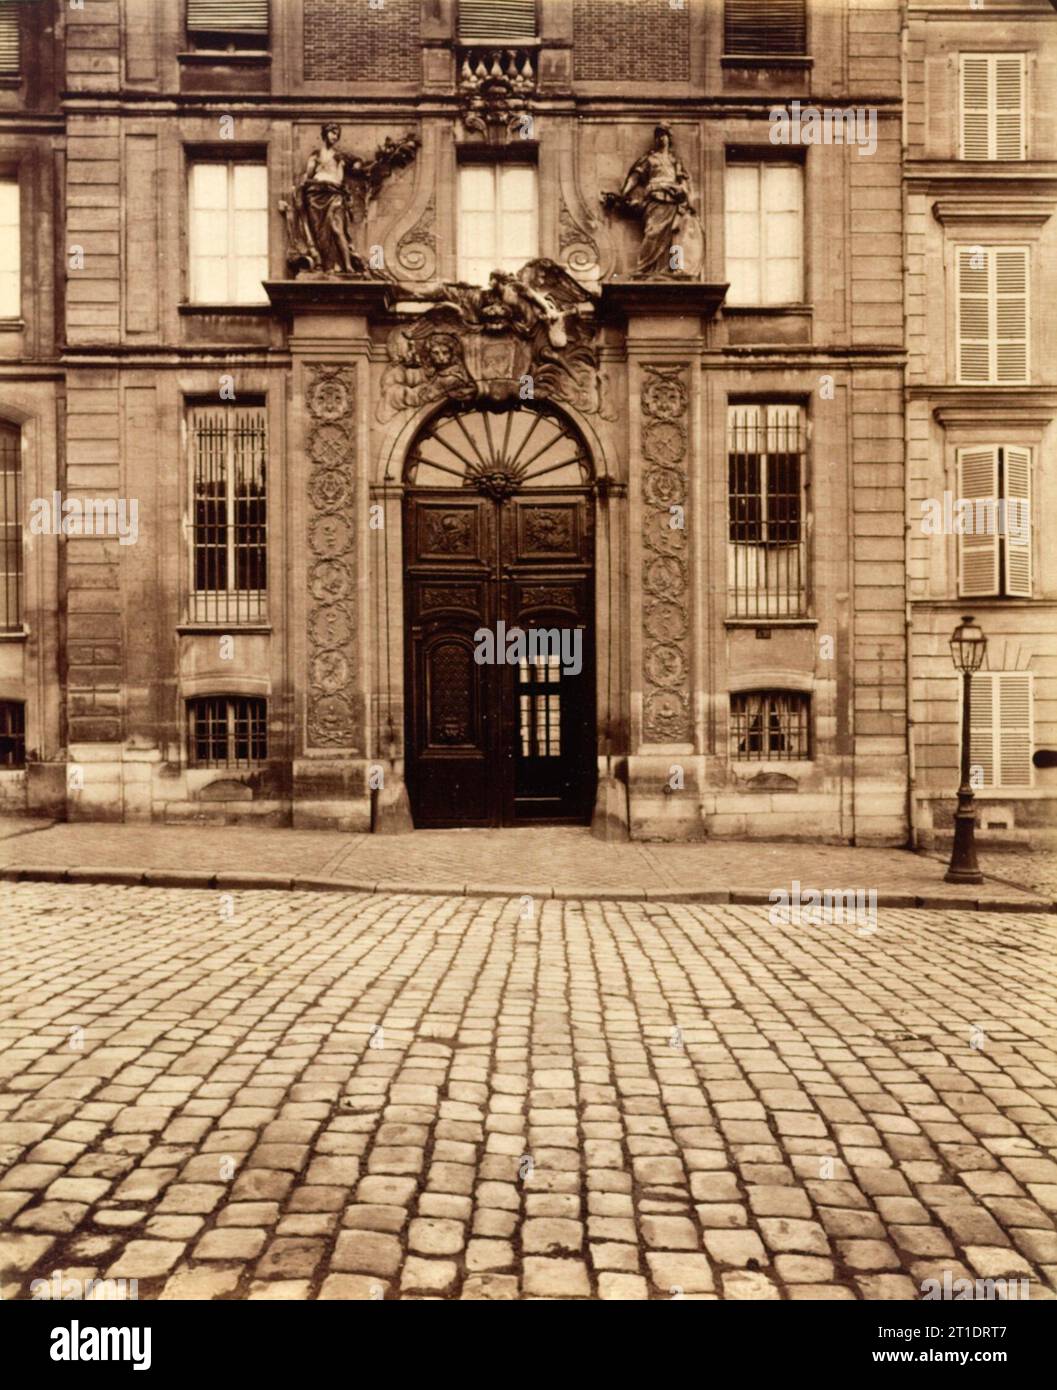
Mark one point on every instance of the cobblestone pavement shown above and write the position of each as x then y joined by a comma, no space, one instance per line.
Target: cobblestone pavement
296,1095
514,860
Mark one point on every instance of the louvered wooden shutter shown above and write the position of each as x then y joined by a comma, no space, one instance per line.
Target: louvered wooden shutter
974,354
1011,315
762,27
992,96
10,55
1017,469
1009,124
483,20
992,297
978,553
1001,741
228,16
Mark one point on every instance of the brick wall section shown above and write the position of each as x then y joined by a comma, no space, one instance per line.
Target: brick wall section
346,39
647,41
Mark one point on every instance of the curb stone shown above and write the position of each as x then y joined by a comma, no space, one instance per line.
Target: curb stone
743,897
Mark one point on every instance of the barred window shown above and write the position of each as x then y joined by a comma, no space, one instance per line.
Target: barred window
760,28
229,503
233,24
766,725
766,569
10,528
12,734
227,731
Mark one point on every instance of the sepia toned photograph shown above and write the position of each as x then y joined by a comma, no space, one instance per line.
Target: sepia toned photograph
528,670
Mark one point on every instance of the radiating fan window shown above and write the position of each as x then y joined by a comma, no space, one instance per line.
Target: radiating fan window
229,455
769,725
229,233
508,450
498,219
227,731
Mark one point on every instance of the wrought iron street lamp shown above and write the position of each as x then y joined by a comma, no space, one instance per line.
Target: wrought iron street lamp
968,648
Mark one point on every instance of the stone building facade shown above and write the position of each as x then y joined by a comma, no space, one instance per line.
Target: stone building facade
330,448
980,181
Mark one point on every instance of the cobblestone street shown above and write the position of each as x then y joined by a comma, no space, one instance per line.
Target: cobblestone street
296,1095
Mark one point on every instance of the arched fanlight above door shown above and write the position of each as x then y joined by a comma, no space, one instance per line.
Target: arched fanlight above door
499,453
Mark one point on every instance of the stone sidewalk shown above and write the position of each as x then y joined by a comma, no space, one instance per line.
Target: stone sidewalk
350,1097
542,862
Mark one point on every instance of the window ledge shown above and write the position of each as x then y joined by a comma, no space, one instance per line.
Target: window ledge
771,309
766,60
213,629
770,622
12,325
217,57
11,81
235,310
18,635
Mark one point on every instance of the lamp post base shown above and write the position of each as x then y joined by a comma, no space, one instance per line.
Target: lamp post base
963,867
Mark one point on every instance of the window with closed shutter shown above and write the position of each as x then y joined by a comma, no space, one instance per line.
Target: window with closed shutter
992,307
10,46
1001,740
760,28
994,553
230,24
481,21
992,106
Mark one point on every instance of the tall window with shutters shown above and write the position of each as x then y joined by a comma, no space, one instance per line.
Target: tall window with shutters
228,24
229,557
481,21
993,124
10,528
994,557
10,39
764,232
1001,734
498,219
992,315
764,28
228,232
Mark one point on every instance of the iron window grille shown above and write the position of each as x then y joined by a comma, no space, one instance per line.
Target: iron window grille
762,28
227,731
12,734
769,726
766,560
229,545
10,529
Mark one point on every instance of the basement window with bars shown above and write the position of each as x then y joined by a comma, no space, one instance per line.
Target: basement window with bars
994,550
770,725
766,563
992,106
482,21
227,731
764,28
12,733
10,528
229,552
228,25
10,39
1001,736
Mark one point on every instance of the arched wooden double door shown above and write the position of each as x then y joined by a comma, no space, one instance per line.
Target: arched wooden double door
499,540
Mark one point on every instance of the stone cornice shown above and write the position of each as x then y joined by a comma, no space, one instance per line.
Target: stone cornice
1026,211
